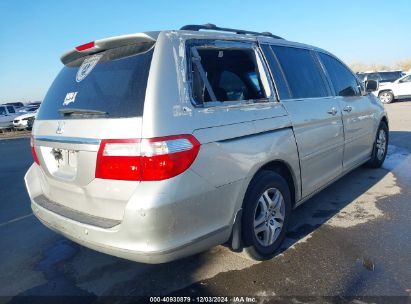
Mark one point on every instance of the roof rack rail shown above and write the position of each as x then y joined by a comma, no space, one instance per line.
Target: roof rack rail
213,27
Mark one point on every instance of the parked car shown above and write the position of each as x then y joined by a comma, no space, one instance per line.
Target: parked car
35,103
27,109
21,122
15,104
7,114
158,145
399,89
382,76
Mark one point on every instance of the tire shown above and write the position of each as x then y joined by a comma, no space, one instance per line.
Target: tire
380,147
386,96
262,242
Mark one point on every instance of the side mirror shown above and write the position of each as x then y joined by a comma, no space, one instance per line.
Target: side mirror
371,85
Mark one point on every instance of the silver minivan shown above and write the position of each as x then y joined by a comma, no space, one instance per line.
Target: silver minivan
158,145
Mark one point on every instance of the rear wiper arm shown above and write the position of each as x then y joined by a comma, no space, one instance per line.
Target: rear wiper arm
76,111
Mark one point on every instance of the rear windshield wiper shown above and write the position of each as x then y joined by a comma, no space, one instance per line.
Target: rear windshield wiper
81,112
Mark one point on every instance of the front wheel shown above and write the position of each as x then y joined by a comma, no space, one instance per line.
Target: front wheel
267,209
386,96
380,147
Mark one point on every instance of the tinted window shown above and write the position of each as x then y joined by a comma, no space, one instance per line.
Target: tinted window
280,83
301,71
11,109
3,111
115,85
390,76
374,76
344,82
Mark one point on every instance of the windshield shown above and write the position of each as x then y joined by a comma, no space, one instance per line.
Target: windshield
113,82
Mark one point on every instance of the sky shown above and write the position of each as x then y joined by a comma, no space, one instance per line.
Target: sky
34,34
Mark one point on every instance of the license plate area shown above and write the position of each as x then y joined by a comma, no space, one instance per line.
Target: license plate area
61,163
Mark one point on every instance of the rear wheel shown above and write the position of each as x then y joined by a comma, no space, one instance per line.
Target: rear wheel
380,147
267,209
386,97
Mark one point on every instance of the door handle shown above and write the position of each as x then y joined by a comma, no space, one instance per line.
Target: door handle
332,111
347,109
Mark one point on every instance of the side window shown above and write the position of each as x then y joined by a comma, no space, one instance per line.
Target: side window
374,76
11,109
302,72
280,83
3,111
226,74
344,82
406,79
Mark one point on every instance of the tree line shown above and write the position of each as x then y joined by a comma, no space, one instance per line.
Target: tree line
404,65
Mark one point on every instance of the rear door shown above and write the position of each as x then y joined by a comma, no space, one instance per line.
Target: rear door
315,114
357,111
95,97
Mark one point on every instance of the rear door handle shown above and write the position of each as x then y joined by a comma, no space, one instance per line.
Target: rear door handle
347,109
333,111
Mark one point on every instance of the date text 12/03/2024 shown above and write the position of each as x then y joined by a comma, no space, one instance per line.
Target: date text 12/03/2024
239,299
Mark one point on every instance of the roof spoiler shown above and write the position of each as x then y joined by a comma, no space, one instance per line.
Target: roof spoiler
105,44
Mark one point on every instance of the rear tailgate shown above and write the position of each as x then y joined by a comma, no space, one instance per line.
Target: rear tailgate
96,96
68,165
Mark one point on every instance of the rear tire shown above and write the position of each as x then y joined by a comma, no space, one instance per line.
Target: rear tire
267,210
380,147
386,96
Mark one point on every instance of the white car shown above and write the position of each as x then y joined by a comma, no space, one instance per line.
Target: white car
399,89
20,122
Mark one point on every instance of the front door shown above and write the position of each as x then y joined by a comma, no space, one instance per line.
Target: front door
403,87
357,112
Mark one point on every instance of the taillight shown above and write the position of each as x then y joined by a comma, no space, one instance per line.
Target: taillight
33,151
85,46
146,159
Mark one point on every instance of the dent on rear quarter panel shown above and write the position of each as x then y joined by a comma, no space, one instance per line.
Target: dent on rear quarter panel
224,162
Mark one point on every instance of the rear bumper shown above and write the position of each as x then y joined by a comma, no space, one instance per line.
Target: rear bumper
155,231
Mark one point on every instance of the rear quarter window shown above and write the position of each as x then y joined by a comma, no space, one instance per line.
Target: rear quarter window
116,85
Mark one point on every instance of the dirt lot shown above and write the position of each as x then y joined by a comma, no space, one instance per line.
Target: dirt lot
10,133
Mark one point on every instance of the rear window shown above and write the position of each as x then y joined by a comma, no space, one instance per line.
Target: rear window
112,82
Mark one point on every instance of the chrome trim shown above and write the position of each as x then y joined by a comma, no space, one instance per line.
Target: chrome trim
69,140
